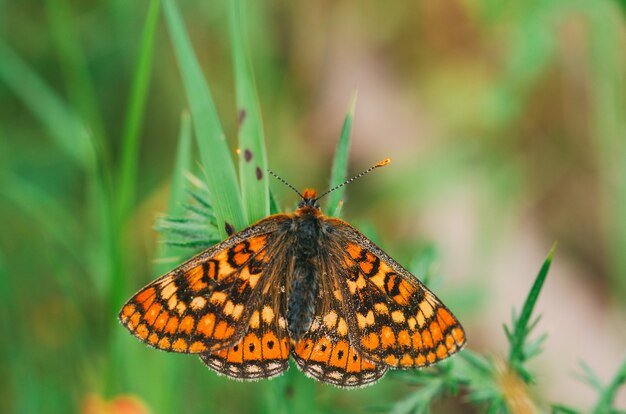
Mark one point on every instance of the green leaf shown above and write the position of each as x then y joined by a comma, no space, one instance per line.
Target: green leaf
127,177
215,155
177,188
605,403
517,336
252,154
339,171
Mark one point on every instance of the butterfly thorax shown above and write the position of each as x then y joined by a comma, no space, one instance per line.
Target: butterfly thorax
308,232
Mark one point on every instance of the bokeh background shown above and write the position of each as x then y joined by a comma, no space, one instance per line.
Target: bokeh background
506,123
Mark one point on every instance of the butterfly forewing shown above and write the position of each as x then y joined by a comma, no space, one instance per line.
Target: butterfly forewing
396,320
206,303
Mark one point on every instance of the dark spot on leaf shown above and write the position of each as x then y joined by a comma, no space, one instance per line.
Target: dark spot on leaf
230,230
242,116
259,174
270,344
247,155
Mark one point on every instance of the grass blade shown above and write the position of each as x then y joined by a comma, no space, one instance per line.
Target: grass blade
521,328
252,153
134,115
177,189
339,171
216,159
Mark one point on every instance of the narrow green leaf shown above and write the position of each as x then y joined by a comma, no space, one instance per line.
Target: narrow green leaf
252,153
339,171
521,330
64,127
216,159
177,188
127,177
605,403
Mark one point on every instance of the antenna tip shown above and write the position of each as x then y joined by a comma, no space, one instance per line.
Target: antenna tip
383,163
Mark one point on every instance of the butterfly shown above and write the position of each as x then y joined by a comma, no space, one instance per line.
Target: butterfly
298,285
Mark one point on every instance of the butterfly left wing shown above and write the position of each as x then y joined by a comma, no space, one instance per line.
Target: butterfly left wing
395,320
206,303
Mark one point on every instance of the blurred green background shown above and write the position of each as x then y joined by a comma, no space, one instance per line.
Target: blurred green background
506,123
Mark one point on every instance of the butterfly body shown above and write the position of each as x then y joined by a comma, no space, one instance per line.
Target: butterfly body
302,285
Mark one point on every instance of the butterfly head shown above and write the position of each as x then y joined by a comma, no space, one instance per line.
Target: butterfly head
309,199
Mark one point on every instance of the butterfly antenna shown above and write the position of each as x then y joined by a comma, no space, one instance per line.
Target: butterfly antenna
285,182
361,174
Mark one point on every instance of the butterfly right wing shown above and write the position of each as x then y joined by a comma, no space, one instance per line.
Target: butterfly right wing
205,304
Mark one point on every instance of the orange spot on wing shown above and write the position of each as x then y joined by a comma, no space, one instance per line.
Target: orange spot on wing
194,278
366,267
171,326
445,319
420,361
134,320
206,325
152,313
387,337
431,357
458,335
339,355
435,331
180,345
427,340
153,338
354,361
252,350
371,341
146,295
406,360
321,350
223,330
235,354
404,339
186,325
257,243
271,347
391,360
417,341
442,352
353,250
142,331
164,343
197,347
127,311
161,320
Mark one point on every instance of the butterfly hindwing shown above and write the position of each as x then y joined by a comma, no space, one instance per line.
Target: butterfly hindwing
325,351
206,303
397,321
263,352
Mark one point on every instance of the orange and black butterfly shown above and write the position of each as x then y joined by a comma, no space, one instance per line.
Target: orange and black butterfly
301,285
